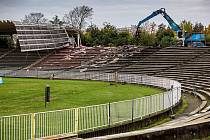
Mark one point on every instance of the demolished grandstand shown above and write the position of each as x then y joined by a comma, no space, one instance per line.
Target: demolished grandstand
33,37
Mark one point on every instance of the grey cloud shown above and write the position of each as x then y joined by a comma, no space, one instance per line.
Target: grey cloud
118,12
12,2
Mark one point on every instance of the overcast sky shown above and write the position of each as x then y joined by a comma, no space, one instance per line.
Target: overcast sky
118,12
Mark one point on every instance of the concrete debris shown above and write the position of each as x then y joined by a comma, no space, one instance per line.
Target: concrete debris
87,57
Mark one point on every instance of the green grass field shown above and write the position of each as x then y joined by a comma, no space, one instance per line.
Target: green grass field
21,95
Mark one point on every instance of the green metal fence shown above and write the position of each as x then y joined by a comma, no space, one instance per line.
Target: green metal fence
17,127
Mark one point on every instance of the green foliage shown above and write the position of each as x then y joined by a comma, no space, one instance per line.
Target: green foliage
92,36
207,30
207,37
165,37
186,26
165,41
146,39
123,38
107,36
6,41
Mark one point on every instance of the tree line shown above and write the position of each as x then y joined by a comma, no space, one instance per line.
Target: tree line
163,36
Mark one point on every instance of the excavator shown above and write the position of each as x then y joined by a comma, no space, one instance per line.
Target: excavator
185,39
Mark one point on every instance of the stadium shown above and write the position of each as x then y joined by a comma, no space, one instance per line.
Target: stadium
51,87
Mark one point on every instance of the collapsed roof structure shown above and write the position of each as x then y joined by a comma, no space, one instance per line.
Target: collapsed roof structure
32,37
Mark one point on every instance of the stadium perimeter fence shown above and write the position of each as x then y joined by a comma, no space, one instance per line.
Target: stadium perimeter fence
76,120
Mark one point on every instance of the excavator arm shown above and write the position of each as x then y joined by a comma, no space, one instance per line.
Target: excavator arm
161,11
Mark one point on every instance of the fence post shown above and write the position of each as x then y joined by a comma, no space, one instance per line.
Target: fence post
163,101
33,126
115,77
172,90
156,102
132,115
76,119
149,105
159,102
37,73
141,107
109,114
177,95
141,82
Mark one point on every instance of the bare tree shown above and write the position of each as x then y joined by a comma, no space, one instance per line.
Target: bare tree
152,27
198,27
34,18
56,21
77,17
145,26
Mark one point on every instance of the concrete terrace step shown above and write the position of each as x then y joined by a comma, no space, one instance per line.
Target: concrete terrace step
199,108
187,88
200,96
196,83
205,109
203,80
204,92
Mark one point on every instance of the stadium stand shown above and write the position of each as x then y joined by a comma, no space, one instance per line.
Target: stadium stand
15,59
4,51
194,76
162,60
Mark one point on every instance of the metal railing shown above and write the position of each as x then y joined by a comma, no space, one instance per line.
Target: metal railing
43,124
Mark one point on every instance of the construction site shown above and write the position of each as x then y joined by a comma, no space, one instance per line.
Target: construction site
175,60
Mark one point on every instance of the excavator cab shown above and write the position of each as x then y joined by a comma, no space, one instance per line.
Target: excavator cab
180,34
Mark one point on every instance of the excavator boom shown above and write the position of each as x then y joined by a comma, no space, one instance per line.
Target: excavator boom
161,11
